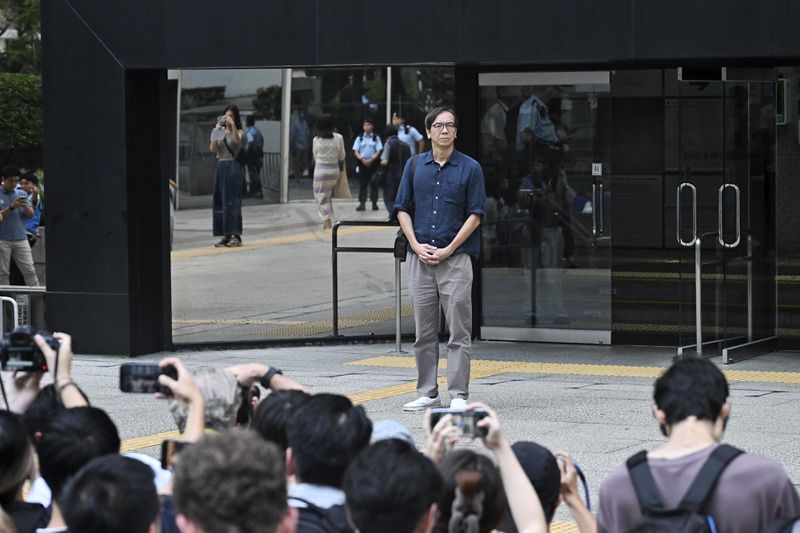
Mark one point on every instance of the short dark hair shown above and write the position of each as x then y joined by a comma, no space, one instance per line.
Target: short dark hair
72,439
44,407
273,413
16,456
471,472
325,127
250,120
110,493
232,481
390,486
11,171
541,468
390,130
430,117
692,386
33,178
325,434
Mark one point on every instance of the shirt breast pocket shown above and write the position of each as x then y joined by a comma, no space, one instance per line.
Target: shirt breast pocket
455,192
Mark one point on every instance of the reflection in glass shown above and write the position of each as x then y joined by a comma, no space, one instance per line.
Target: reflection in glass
546,254
204,96
348,96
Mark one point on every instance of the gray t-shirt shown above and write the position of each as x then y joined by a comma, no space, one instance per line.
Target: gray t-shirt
750,493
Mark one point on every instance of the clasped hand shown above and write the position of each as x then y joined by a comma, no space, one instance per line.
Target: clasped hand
431,255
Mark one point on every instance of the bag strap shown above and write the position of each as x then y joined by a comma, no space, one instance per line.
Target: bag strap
643,483
411,174
701,488
225,140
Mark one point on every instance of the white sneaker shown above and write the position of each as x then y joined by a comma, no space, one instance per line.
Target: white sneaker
458,403
422,403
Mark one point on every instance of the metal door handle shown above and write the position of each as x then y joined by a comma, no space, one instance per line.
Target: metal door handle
694,214
594,210
721,237
602,209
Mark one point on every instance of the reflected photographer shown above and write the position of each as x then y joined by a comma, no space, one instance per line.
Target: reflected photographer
226,141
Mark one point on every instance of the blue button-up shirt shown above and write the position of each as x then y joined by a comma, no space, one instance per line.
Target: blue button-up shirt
444,197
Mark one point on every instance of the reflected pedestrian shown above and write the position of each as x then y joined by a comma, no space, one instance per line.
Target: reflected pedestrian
226,140
367,149
328,152
393,159
408,134
15,209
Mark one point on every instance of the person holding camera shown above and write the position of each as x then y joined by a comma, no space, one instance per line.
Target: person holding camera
14,211
226,140
477,492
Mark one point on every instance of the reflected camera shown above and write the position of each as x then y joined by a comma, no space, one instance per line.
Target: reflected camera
18,350
143,378
466,421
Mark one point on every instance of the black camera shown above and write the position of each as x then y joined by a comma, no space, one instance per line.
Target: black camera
18,350
143,378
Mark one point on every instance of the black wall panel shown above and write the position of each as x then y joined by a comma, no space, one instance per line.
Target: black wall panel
194,33
85,162
108,274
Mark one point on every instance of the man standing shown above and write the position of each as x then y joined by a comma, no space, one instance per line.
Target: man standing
447,193
14,210
254,155
367,150
30,184
692,405
408,134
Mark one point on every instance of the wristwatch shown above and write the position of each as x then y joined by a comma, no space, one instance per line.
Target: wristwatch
265,380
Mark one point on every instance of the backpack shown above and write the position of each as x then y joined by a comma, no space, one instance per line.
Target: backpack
689,516
786,525
399,154
315,519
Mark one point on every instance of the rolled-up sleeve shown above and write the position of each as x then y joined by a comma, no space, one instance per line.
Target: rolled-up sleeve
476,192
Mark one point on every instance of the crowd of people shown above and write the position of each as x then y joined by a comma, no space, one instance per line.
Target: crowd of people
315,462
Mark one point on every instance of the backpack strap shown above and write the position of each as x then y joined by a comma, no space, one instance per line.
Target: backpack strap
643,483
701,488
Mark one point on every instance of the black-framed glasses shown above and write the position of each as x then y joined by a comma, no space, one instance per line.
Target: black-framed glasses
439,125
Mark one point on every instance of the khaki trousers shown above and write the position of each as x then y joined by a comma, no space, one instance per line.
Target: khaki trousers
20,251
450,283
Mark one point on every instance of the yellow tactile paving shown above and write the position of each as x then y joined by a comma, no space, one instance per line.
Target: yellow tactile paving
563,527
140,443
266,243
351,320
624,371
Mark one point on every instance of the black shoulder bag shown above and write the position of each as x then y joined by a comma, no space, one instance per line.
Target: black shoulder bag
401,241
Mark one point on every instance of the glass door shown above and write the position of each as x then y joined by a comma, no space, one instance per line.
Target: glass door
724,178
546,251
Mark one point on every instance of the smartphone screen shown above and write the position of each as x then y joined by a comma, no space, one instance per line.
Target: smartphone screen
169,449
466,421
143,378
